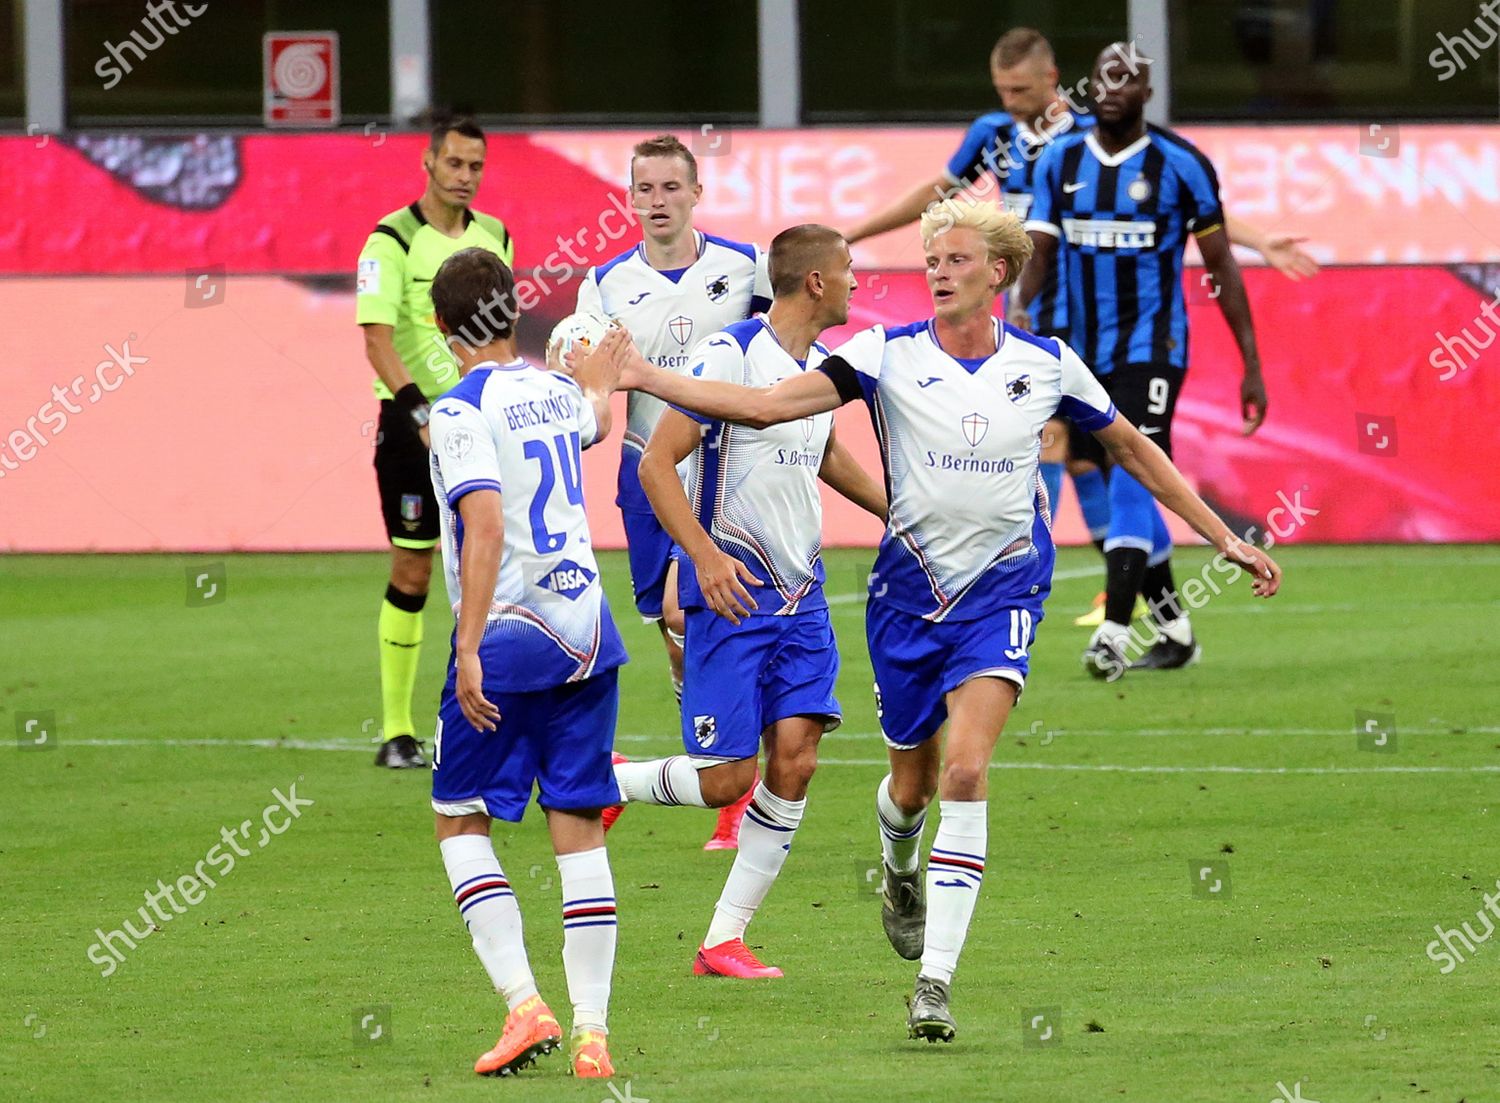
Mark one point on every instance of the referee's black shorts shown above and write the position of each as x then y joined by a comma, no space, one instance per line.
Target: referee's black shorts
1146,396
404,475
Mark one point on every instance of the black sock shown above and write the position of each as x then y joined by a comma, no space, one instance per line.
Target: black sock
1124,569
1160,592
1099,544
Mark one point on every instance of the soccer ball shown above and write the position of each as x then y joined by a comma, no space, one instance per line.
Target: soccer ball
582,331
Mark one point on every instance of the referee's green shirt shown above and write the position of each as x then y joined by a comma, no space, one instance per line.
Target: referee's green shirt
394,288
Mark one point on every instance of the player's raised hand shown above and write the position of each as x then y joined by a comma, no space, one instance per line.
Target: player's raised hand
722,578
479,710
1265,575
598,369
1252,402
1282,253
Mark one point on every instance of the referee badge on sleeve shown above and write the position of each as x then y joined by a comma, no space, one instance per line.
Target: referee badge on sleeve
367,282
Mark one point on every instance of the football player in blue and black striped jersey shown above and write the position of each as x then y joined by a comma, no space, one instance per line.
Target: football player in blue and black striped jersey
1115,207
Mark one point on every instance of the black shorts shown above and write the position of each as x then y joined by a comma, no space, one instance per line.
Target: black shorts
1146,396
404,475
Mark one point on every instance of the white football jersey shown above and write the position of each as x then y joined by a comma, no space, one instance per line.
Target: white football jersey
668,313
960,440
755,491
520,430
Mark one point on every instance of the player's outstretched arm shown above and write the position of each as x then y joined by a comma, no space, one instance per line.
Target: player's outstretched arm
1281,251
1136,453
721,577
1229,291
479,567
795,397
903,211
842,471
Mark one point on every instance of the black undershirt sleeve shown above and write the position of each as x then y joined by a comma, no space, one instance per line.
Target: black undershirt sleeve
845,378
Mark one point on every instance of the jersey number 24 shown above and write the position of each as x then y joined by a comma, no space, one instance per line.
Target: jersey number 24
570,465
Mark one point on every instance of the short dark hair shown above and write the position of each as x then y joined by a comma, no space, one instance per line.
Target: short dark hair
665,145
1018,44
463,125
797,251
474,297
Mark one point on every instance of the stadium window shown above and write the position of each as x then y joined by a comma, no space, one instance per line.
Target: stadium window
914,61
1320,59
209,72
12,69
533,62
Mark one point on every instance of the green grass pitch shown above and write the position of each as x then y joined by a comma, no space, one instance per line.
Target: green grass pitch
1308,968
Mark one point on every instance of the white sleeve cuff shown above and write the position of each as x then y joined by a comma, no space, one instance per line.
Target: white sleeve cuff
1044,228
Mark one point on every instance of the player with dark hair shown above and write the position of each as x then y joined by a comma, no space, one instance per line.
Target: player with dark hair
413,366
531,695
1114,208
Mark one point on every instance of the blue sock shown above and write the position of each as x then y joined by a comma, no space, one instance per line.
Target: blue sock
1093,499
1161,539
1052,476
1132,513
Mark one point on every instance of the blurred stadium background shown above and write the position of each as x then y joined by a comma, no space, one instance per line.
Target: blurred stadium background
155,207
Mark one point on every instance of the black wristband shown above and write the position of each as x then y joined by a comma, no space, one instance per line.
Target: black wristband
409,397
411,401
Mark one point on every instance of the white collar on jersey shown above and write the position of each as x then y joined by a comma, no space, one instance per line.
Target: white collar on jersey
765,320
698,240
999,340
1114,161
514,365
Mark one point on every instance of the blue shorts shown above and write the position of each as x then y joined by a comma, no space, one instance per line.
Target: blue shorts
918,663
558,739
739,680
650,552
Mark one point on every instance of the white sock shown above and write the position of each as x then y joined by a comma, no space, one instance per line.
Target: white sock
1111,632
589,929
900,834
766,835
488,908
1178,631
955,870
660,781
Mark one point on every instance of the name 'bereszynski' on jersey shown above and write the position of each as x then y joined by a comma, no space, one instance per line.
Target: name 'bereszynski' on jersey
520,430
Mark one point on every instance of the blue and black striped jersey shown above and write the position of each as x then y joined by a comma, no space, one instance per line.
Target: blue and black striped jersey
1122,223
1007,148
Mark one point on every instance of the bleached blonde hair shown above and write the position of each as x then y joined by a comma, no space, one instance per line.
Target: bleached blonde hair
1004,237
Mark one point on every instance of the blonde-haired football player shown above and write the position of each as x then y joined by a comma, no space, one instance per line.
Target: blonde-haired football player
959,400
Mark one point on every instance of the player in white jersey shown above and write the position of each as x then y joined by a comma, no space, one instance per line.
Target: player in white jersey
761,658
959,401
531,695
670,291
